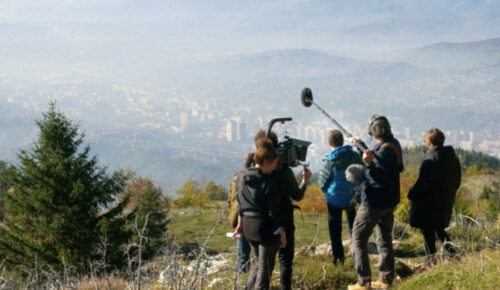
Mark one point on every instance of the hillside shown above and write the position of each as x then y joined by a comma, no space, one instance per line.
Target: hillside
412,157
477,271
474,231
464,56
198,253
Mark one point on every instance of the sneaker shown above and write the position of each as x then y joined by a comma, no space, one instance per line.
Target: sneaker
380,285
359,287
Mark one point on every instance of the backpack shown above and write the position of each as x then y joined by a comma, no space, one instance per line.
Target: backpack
232,202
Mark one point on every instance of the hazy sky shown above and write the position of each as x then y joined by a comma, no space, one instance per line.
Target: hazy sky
200,28
104,36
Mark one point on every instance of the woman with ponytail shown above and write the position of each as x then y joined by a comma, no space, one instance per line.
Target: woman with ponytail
258,209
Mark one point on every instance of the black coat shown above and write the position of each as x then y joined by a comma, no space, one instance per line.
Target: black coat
289,190
259,205
433,194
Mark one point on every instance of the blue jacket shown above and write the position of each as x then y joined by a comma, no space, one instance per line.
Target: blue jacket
339,192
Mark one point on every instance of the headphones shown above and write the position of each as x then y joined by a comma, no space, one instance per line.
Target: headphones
378,126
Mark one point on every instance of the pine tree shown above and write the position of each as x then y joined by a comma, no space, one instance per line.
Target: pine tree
150,215
5,183
60,201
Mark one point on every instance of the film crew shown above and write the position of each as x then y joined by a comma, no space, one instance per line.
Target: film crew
259,214
433,194
338,190
289,190
380,194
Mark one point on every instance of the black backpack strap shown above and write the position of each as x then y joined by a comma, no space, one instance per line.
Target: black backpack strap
396,150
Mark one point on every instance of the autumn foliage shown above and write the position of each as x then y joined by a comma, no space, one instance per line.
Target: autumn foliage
407,180
194,194
314,199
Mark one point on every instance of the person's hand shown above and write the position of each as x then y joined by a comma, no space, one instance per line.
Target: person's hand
354,140
306,175
368,157
238,231
282,239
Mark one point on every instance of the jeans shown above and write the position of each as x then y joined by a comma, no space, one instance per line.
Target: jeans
262,265
335,227
366,219
243,254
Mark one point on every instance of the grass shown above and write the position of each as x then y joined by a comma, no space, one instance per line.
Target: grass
476,266
318,272
477,271
191,227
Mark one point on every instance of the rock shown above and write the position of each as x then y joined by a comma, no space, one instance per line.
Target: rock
212,265
323,249
215,282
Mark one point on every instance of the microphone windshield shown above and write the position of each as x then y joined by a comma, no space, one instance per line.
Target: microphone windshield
306,97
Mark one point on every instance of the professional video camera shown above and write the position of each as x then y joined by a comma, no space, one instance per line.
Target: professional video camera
292,152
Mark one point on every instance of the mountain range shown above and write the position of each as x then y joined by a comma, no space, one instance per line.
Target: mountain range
154,84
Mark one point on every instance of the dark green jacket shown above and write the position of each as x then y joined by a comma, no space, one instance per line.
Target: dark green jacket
381,186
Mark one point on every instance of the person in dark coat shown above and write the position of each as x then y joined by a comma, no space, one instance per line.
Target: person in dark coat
433,194
259,214
379,195
290,190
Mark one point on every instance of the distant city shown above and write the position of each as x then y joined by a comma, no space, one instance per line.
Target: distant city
175,90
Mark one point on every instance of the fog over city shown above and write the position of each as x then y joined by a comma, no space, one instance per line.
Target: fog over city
171,89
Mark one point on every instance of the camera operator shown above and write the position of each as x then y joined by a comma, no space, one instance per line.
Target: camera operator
380,193
289,190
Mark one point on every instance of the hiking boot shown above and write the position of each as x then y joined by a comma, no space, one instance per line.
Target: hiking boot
359,287
380,285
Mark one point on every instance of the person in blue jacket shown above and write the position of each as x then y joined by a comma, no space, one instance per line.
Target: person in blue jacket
339,192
